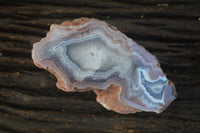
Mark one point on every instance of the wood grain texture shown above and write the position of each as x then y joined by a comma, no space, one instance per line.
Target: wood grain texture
29,99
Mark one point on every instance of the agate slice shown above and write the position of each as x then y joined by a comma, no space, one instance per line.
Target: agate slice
88,54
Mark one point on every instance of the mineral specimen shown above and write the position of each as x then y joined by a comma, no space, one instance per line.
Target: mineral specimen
88,54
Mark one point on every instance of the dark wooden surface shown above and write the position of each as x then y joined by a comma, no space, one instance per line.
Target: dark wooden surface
29,99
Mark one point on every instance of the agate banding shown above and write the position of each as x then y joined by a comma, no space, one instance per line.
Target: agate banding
88,54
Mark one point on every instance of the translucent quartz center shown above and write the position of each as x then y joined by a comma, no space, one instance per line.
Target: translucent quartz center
94,55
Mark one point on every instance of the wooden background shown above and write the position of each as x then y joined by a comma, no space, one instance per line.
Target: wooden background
29,99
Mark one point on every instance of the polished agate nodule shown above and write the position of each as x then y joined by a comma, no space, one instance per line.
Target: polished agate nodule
88,54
